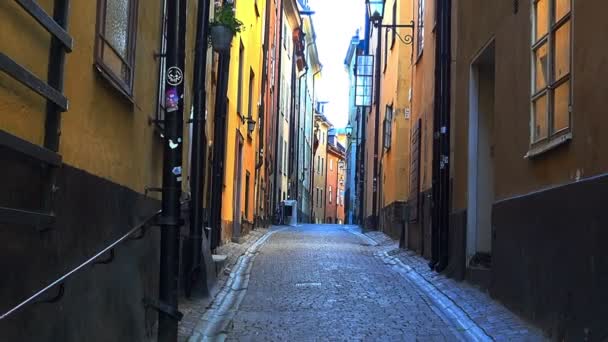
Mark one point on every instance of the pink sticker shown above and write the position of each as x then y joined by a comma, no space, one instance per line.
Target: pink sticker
171,100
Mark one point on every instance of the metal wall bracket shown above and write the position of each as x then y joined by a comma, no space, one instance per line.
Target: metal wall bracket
141,235
151,189
106,261
55,298
163,307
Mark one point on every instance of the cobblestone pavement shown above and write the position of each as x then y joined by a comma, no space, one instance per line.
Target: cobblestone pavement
324,282
491,316
194,309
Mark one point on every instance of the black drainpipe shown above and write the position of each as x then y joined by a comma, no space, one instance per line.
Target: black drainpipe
198,163
219,148
441,143
262,118
277,118
170,218
375,180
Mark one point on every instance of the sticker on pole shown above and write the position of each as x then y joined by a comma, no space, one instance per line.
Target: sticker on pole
175,76
177,171
171,100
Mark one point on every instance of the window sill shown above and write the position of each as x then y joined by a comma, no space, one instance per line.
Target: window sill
548,146
108,77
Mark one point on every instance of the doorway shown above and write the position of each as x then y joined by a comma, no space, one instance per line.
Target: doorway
481,159
238,174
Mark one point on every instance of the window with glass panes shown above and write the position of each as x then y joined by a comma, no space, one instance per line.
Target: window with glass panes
551,86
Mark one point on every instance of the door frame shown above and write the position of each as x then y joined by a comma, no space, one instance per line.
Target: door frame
473,157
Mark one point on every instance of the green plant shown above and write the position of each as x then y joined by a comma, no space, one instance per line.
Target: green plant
224,16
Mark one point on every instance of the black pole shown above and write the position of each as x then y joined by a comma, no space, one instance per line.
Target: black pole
197,161
276,160
219,149
361,165
445,60
172,178
376,129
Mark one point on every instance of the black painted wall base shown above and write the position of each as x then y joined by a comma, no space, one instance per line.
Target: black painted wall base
392,219
550,260
101,303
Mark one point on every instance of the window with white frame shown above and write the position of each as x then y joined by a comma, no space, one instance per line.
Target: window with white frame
388,127
551,67
329,194
420,27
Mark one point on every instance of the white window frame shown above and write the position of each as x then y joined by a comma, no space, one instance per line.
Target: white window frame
552,138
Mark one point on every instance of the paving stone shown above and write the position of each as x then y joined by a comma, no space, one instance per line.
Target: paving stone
324,282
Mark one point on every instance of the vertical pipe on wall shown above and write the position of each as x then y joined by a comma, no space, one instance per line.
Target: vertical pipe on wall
277,158
219,148
441,140
197,161
172,176
56,70
375,179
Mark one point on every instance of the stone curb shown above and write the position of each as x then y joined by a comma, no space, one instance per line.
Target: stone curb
445,307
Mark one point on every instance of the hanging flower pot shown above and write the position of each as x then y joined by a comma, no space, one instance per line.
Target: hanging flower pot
221,38
223,27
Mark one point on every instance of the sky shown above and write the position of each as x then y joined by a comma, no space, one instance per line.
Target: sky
335,22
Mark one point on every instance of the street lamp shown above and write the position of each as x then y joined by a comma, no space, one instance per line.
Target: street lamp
349,130
375,10
250,124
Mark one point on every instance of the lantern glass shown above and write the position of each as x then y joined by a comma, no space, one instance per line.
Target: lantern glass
375,10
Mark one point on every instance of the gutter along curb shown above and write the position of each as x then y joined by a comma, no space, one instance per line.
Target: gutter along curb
215,321
439,302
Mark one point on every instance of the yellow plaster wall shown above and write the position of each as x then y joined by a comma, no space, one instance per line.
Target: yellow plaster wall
102,132
396,82
251,38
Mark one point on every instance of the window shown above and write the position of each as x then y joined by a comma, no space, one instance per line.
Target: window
115,42
247,176
280,156
329,194
319,164
322,164
385,50
162,70
551,87
250,96
239,91
388,127
284,157
331,165
420,45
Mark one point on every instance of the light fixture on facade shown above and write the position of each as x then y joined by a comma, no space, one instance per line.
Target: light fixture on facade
349,130
250,124
375,10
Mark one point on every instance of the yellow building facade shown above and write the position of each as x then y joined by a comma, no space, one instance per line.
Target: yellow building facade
395,123
390,127
319,167
242,146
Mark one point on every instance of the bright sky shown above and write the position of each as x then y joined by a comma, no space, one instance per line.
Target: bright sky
336,22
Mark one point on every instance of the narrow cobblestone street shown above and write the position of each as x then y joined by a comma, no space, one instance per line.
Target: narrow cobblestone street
326,282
